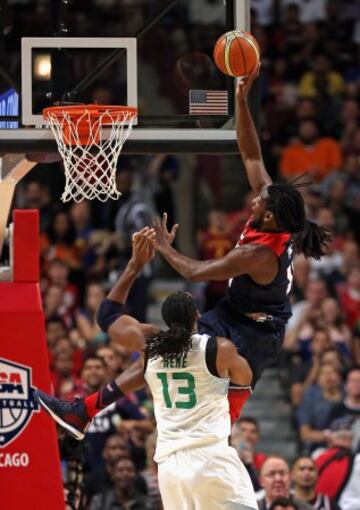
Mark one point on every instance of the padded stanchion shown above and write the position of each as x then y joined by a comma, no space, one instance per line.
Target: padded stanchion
30,475
26,247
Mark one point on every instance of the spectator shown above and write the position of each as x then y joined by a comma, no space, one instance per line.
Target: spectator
306,309
80,214
99,481
299,339
317,333
350,406
150,473
351,139
339,470
244,437
59,242
214,243
86,317
310,153
280,88
290,36
322,81
55,329
66,386
349,296
336,201
350,112
53,302
124,416
94,375
332,356
54,305
314,412
305,373
124,494
304,476
247,430
111,358
58,274
339,331
275,480
352,175
313,200
349,258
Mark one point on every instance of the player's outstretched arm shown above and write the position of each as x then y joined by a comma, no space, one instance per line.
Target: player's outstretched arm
248,140
123,328
252,259
132,378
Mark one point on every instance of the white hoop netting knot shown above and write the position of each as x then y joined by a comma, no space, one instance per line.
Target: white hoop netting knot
89,157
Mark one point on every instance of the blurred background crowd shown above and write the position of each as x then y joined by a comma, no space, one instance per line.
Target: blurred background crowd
310,124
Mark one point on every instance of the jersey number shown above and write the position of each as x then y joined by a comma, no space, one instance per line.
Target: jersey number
188,390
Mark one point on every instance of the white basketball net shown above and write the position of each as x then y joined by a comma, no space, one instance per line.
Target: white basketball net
90,167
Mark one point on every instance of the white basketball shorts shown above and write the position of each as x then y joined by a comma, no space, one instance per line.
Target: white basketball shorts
206,478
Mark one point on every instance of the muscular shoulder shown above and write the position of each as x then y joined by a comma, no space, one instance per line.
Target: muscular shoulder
225,346
259,250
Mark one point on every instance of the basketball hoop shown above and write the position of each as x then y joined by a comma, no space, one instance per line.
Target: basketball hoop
90,159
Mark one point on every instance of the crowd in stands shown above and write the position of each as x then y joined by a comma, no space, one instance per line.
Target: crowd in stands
310,100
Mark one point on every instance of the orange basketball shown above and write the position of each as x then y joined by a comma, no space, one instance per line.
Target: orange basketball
236,53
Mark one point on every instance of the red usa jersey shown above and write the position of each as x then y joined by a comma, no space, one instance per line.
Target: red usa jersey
246,296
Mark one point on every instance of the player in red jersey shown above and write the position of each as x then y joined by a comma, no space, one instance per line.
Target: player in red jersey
254,312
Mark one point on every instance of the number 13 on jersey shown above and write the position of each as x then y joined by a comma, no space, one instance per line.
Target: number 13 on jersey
187,389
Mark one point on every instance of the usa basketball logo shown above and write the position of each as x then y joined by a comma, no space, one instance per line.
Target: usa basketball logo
16,400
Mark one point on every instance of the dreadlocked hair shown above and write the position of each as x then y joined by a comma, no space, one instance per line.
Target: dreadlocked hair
179,313
286,202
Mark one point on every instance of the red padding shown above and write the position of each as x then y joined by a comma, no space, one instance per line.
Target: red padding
237,398
26,246
30,475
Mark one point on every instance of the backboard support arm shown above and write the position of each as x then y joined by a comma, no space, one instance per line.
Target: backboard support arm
7,190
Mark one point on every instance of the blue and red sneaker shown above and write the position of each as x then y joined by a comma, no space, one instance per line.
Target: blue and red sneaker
70,414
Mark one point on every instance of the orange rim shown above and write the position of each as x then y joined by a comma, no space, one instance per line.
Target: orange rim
93,110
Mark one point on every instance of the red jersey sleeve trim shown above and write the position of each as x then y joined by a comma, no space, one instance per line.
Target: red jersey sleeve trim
276,241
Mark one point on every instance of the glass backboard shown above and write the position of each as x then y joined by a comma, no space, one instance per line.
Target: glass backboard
153,54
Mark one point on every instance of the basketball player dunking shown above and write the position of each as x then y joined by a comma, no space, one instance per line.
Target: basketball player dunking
256,308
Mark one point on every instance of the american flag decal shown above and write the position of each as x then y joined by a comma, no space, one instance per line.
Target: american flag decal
208,102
